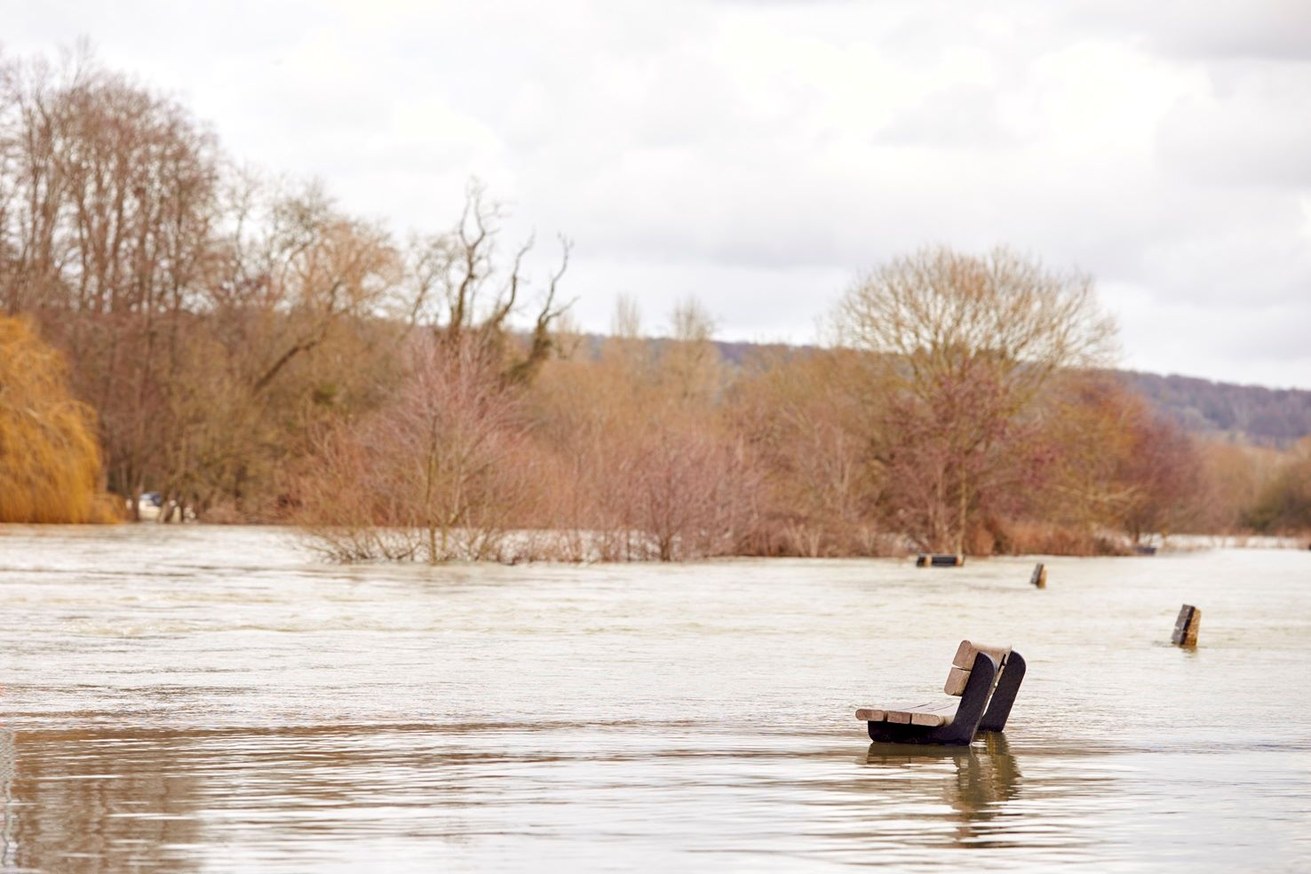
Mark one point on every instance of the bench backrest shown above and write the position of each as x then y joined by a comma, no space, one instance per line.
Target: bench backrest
963,663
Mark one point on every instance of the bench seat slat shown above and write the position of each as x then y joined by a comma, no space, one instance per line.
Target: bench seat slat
920,714
904,717
930,719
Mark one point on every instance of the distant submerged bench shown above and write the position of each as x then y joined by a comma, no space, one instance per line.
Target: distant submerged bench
985,678
927,560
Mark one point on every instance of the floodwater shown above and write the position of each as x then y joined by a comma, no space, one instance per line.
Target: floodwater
216,699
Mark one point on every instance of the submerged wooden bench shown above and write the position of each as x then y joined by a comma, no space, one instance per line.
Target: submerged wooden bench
928,560
985,678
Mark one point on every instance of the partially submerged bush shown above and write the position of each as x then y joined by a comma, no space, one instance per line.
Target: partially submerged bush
431,476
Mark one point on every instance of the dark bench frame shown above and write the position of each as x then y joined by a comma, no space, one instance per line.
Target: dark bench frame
986,678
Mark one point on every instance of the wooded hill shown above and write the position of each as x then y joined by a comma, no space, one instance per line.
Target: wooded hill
1249,413
1265,416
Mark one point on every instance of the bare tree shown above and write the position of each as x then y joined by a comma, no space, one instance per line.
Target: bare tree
460,288
683,490
31,189
107,194
657,471
216,322
1113,464
689,360
1283,505
299,272
808,415
965,344
433,475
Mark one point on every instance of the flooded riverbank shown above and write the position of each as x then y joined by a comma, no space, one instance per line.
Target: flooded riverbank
194,698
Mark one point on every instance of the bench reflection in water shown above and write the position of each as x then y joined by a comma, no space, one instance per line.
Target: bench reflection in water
976,782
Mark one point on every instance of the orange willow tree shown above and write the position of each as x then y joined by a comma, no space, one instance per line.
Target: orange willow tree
49,458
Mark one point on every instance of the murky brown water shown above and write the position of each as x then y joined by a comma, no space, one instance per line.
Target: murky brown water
209,699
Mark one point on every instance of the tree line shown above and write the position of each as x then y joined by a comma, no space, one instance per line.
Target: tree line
215,320
254,353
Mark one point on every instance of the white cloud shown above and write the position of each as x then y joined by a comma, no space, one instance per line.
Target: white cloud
759,154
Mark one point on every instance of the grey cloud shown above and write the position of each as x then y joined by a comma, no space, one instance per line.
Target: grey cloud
1259,133
1241,343
1217,30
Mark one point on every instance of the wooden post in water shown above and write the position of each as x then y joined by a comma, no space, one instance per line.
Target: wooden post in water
1187,626
1039,578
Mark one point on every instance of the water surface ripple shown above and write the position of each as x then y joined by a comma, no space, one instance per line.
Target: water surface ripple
215,699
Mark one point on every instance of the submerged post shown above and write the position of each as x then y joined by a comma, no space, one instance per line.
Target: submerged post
1186,626
1039,578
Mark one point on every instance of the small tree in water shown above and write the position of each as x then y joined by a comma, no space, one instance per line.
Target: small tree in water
432,476
442,470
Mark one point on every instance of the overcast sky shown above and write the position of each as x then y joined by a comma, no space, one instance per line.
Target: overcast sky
757,156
